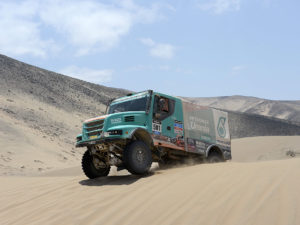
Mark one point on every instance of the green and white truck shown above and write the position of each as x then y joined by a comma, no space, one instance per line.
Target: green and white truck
147,127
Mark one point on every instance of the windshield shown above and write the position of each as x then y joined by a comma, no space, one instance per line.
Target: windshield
133,103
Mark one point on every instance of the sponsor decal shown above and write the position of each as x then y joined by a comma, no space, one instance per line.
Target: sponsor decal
200,145
221,127
178,127
205,138
178,140
199,124
191,145
175,143
196,146
116,120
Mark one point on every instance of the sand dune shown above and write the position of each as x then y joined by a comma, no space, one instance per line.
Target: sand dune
264,148
229,193
43,146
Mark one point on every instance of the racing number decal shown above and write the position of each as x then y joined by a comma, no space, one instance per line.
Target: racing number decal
156,127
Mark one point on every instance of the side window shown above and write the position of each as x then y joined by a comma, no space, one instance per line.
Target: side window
163,107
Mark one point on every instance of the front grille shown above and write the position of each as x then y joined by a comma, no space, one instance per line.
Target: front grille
95,123
94,133
94,128
129,118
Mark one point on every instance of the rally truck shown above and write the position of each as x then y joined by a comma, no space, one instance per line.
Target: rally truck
147,127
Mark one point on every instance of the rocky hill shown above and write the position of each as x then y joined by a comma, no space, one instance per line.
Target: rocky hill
41,112
252,125
286,110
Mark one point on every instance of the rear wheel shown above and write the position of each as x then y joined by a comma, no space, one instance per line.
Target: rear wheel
215,158
93,166
137,157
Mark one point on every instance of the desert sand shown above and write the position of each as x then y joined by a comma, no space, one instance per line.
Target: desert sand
264,148
260,191
48,143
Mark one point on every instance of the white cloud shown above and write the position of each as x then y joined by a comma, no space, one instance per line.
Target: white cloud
148,42
220,6
165,51
159,50
86,26
20,34
90,75
142,14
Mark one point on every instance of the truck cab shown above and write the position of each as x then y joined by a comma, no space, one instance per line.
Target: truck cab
147,127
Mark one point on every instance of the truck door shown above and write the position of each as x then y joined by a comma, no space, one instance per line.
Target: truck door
166,125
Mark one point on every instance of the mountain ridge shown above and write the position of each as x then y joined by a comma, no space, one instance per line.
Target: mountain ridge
280,109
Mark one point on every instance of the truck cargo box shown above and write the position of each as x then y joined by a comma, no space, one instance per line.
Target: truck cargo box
204,126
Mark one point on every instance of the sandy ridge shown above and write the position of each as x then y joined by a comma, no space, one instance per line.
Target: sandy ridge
228,193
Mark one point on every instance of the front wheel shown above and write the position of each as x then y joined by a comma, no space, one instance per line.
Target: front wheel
137,158
93,166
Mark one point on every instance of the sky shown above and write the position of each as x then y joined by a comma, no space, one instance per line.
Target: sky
196,48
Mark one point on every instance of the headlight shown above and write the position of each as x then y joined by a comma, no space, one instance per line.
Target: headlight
113,132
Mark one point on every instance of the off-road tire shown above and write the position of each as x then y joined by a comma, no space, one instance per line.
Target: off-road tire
89,168
214,158
137,158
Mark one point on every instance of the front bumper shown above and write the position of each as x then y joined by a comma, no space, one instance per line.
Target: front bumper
95,142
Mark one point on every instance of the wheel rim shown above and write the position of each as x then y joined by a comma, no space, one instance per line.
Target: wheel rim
140,155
